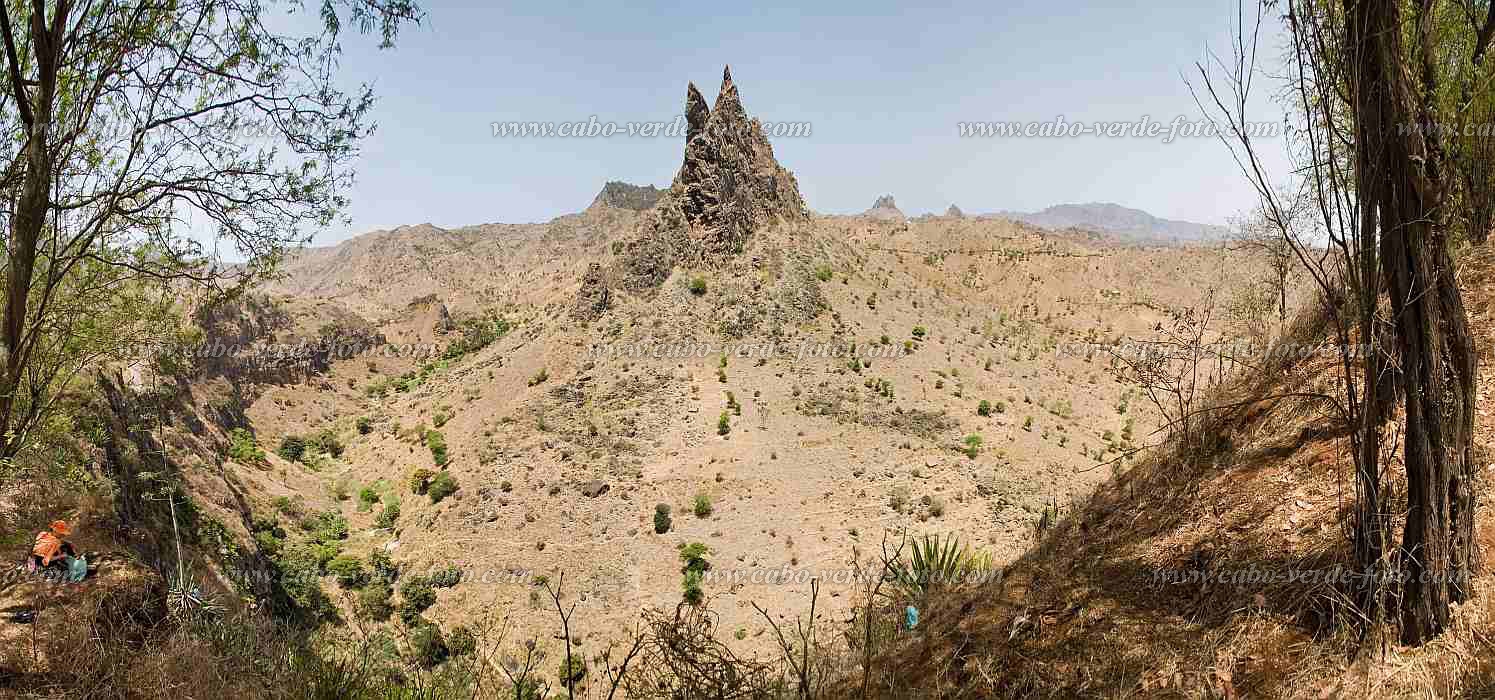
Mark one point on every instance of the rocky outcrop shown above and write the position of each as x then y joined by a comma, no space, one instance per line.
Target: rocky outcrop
954,212
729,187
621,195
594,297
885,209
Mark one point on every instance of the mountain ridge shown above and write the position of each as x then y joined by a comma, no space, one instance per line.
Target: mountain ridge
1126,222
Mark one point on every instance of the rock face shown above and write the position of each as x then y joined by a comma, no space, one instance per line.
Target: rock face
621,195
885,209
729,187
731,183
594,297
955,212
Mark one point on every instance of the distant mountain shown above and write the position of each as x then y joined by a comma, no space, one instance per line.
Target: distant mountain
626,196
885,208
1129,224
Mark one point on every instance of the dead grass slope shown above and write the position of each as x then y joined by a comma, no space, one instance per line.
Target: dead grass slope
1176,578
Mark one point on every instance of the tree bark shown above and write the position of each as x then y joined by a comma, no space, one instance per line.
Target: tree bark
1402,181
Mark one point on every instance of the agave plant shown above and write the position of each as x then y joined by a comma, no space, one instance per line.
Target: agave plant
936,562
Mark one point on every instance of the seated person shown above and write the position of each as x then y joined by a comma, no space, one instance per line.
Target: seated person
51,547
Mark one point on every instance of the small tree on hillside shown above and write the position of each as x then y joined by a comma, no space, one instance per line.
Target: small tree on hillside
125,125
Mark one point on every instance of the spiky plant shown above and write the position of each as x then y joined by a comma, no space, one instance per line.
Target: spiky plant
935,562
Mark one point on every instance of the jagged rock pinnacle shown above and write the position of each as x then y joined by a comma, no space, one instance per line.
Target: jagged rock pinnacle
729,186
696,112
727,98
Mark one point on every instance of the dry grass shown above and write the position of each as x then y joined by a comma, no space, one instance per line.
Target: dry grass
1082,614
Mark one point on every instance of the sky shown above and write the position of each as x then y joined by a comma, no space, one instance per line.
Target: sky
883,87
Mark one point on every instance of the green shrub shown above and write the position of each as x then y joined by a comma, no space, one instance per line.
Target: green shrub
698,286
349,571
446,578
417,594
372,603
477,333
824,273
539,377
243,449
972,445
920,332
702,505
365,425
368,495
461,641
383,566
428,646
327,442
300,568
693,557
291,448
572,670
983,408
436,442
442,485
420,481
724,423
387,516
690,588
268,543
328,526
662,521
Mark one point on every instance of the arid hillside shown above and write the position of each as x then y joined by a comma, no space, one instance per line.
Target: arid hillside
788,398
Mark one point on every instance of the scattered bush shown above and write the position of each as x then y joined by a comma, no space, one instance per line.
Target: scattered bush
428,646
920,332
824,273
539,377
572,671
446,578
365,425
984,408
383,566
724,423
702,505
442,485
417,596
243,449
662,520
372,603
420,481
436,442
972,445
349,571
328,526
461,641
698,286
291,448
387,516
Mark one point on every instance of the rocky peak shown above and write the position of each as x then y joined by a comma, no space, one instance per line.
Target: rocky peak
621,195
728,187
885,208
955,212
730,184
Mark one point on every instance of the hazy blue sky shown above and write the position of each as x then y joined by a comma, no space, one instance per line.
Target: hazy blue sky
883,86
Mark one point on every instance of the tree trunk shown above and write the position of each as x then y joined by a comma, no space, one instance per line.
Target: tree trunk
1402,182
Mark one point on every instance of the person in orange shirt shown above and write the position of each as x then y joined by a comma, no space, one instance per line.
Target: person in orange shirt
51,547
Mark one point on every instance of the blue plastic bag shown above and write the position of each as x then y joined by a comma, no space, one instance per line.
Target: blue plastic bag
77,569
910,617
